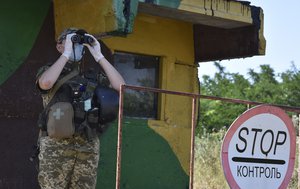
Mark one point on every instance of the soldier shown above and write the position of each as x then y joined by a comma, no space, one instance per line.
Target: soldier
69,147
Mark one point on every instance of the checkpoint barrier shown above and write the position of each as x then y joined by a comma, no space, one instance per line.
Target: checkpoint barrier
194,97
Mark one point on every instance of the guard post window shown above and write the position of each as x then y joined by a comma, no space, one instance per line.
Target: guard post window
139,70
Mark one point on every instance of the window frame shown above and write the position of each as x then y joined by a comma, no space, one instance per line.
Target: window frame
157,81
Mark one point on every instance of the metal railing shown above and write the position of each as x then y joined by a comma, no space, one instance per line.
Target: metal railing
195,97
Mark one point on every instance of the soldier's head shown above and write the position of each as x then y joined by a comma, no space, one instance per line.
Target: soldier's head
77,49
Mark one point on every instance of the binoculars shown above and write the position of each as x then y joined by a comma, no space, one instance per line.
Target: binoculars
82,38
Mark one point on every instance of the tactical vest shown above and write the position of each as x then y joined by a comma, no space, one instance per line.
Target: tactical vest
73,107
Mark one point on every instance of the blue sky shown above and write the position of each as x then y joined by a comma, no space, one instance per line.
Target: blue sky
282,33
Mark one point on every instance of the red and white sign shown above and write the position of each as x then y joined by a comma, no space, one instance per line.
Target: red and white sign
258,150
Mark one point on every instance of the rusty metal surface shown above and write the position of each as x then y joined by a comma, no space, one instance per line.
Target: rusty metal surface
247,102
192,151
119,143
230,100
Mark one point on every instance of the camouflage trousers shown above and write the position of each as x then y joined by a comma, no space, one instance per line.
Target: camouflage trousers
68,163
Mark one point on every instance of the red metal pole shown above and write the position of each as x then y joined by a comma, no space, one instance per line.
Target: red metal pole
229,100
299,151
192,152
119,144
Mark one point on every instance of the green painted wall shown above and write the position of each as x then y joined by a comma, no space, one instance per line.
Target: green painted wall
20,23
148,161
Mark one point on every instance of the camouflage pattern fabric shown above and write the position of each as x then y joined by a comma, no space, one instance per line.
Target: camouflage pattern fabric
68,163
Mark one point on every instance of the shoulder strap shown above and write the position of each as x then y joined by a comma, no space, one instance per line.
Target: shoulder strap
61,82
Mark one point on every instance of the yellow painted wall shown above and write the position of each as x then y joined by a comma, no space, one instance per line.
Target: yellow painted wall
173,41
95,16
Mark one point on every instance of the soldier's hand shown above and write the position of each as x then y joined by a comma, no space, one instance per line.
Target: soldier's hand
68,46
95,49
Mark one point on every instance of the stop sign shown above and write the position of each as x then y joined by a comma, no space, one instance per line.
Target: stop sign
258,150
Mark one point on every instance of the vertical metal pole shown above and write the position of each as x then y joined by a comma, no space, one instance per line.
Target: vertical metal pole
194,122
119,144
299,155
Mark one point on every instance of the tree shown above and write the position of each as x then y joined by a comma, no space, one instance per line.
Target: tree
217,114
264,86
291,86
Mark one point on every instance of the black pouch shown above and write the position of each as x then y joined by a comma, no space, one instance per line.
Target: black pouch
79,113
93,117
